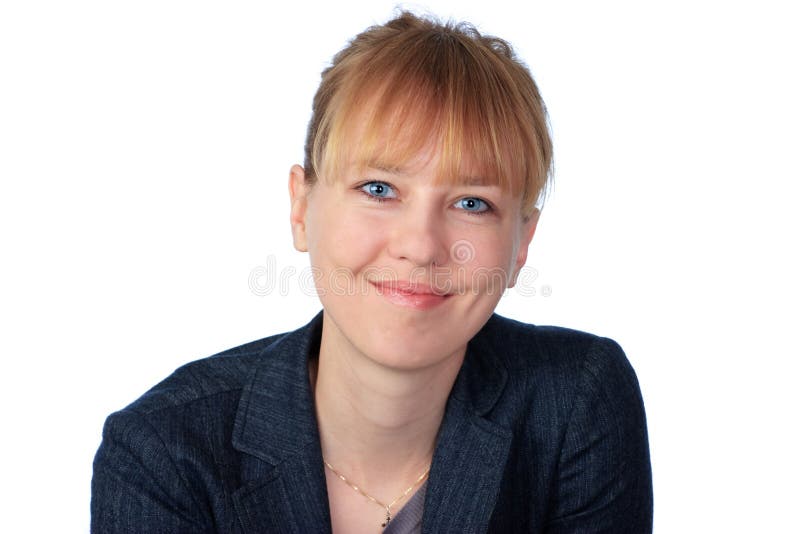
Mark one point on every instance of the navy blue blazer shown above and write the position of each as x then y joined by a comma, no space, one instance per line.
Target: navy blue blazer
544,431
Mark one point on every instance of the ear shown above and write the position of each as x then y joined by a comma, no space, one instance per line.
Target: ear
298,195
527,229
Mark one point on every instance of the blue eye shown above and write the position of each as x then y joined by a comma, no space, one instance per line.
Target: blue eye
378,190
472,204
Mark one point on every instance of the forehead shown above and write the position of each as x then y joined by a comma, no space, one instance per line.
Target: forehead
402,140
426,160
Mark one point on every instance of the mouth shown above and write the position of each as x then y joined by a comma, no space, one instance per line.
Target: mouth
415,295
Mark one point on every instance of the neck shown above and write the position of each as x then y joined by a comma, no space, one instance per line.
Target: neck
378,425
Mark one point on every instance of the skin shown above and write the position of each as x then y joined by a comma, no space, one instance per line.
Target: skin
390,353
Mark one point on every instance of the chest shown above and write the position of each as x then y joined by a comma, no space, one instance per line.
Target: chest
351,512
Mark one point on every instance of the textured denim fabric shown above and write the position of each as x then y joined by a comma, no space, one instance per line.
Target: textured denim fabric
544,432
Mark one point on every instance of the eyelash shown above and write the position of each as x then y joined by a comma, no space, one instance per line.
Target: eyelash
360,188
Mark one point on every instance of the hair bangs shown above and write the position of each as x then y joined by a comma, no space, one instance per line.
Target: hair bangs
411,88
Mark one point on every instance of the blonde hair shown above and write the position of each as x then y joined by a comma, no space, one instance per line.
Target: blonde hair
415,81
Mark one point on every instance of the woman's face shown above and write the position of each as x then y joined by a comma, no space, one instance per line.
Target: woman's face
407,271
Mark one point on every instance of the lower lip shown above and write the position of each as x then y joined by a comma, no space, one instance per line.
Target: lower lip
417,301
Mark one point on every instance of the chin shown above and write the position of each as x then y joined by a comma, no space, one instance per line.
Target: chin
404,354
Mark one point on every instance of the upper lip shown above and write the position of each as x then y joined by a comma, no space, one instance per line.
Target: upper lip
408,287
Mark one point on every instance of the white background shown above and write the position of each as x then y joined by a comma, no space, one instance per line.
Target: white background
144,151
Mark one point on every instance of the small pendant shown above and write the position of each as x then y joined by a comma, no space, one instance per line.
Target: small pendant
388,518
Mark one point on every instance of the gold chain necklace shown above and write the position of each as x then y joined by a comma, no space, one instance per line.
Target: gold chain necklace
388,507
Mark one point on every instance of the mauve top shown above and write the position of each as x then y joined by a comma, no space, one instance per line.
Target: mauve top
409,519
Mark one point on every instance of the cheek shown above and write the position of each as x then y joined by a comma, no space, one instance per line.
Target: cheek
490,268
340,238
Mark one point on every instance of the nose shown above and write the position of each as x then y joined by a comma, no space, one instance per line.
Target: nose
418,237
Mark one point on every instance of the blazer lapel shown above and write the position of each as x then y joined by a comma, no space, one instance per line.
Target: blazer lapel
282,474
290,499
471,451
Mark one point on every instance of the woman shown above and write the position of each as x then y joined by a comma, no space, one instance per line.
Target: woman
405,405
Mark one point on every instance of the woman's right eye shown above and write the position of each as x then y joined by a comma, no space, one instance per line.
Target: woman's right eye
378,190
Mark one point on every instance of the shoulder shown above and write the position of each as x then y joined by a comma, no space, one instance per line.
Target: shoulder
193,411
524,346
224,373
557,370
574,406
161,456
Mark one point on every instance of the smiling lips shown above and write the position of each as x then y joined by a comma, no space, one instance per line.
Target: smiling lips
410,294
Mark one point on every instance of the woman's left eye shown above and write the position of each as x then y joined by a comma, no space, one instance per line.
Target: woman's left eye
472,205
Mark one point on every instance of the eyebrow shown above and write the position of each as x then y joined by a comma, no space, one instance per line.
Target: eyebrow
385,167
477,181
386,170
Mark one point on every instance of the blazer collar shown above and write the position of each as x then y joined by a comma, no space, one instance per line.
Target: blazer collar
283,480
483,375
471,450
282,474
276,415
